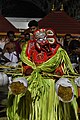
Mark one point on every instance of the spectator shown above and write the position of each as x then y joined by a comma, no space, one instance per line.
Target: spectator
11,49
24,39
74,55
67,40
33,25
27,36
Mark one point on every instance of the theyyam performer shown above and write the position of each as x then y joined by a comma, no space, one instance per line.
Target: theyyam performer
47,90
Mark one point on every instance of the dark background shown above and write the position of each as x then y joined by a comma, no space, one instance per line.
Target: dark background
38,8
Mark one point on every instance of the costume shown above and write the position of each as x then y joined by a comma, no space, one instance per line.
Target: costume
48,62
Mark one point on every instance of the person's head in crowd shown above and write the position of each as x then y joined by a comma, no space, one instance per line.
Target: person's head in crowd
33,25
22,36
27,36
10,35
67,36
67,39
74,44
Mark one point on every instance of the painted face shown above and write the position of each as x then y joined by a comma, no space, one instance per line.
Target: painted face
42,44
40,34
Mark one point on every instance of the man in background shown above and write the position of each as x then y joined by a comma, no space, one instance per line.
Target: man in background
24,37
11,49
33,25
